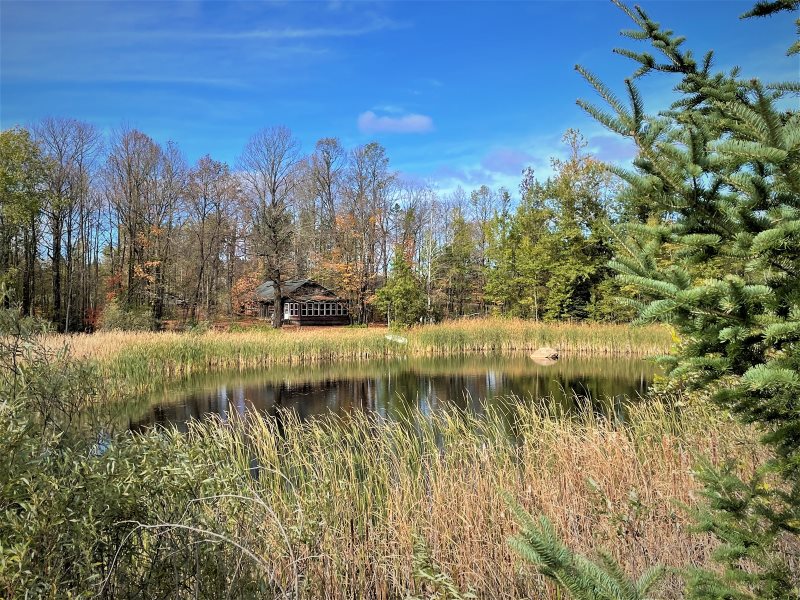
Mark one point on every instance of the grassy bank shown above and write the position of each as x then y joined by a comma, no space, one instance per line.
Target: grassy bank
147,357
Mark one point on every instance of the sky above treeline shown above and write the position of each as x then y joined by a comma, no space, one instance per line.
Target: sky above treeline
459,93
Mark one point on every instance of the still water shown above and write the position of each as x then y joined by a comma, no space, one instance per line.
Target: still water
390,388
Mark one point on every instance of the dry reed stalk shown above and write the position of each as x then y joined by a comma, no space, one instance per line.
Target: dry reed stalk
147,355
355,492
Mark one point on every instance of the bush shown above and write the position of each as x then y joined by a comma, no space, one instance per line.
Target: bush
115,317
86,513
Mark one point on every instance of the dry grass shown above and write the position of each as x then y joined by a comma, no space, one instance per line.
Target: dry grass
340,502
139,357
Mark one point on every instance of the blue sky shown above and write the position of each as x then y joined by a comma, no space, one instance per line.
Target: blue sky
460,93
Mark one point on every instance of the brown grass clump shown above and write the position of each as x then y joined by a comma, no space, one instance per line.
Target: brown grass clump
347,498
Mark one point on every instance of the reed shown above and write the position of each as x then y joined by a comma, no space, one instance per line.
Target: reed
140,359
337,504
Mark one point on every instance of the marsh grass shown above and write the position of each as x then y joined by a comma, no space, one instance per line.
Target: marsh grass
139,360
335,506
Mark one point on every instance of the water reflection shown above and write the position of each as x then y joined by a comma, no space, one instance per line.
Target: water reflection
390,387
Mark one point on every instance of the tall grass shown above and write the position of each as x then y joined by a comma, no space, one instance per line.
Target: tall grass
142,358
338,507
517,334
335,506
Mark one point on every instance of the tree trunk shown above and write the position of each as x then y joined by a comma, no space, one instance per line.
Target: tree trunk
277,314
158,300
57,225
70,272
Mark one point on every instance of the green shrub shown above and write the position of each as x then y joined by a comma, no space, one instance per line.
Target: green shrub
85,512
117,318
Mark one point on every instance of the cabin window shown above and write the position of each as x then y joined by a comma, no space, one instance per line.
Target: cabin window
327,309
291,309
316,309
303,309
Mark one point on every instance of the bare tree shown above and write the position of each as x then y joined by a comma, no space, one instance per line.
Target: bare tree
132,168
366,213
268,167
326,171
210,198
70,147
146,185
162,218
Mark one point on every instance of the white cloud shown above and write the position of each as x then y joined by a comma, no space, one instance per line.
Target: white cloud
369,122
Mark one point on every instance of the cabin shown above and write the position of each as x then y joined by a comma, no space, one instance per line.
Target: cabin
305,302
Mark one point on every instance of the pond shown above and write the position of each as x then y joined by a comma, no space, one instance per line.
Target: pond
391,387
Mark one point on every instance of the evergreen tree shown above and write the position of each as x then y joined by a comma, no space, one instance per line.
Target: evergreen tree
402,299
456,267
722,165
579,197
548,259
539,544
522,252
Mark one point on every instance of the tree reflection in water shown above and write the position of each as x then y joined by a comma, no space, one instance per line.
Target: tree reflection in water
388,388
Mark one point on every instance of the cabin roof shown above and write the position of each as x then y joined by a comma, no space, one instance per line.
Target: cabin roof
266,291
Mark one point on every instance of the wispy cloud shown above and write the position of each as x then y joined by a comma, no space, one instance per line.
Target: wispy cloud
468,176
369,122
611,148
508,161
433,82
293,33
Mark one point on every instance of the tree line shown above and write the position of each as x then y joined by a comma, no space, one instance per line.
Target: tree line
121,229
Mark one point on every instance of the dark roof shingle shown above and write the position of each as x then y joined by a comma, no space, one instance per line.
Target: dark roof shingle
266,291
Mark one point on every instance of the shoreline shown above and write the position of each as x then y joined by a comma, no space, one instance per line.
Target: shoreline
137,361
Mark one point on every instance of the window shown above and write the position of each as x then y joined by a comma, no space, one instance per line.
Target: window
327,309
291,309
303,309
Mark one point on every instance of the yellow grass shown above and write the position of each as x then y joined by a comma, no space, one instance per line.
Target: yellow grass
347,498
136,362
144,356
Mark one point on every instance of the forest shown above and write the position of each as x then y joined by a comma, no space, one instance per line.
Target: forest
119,231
